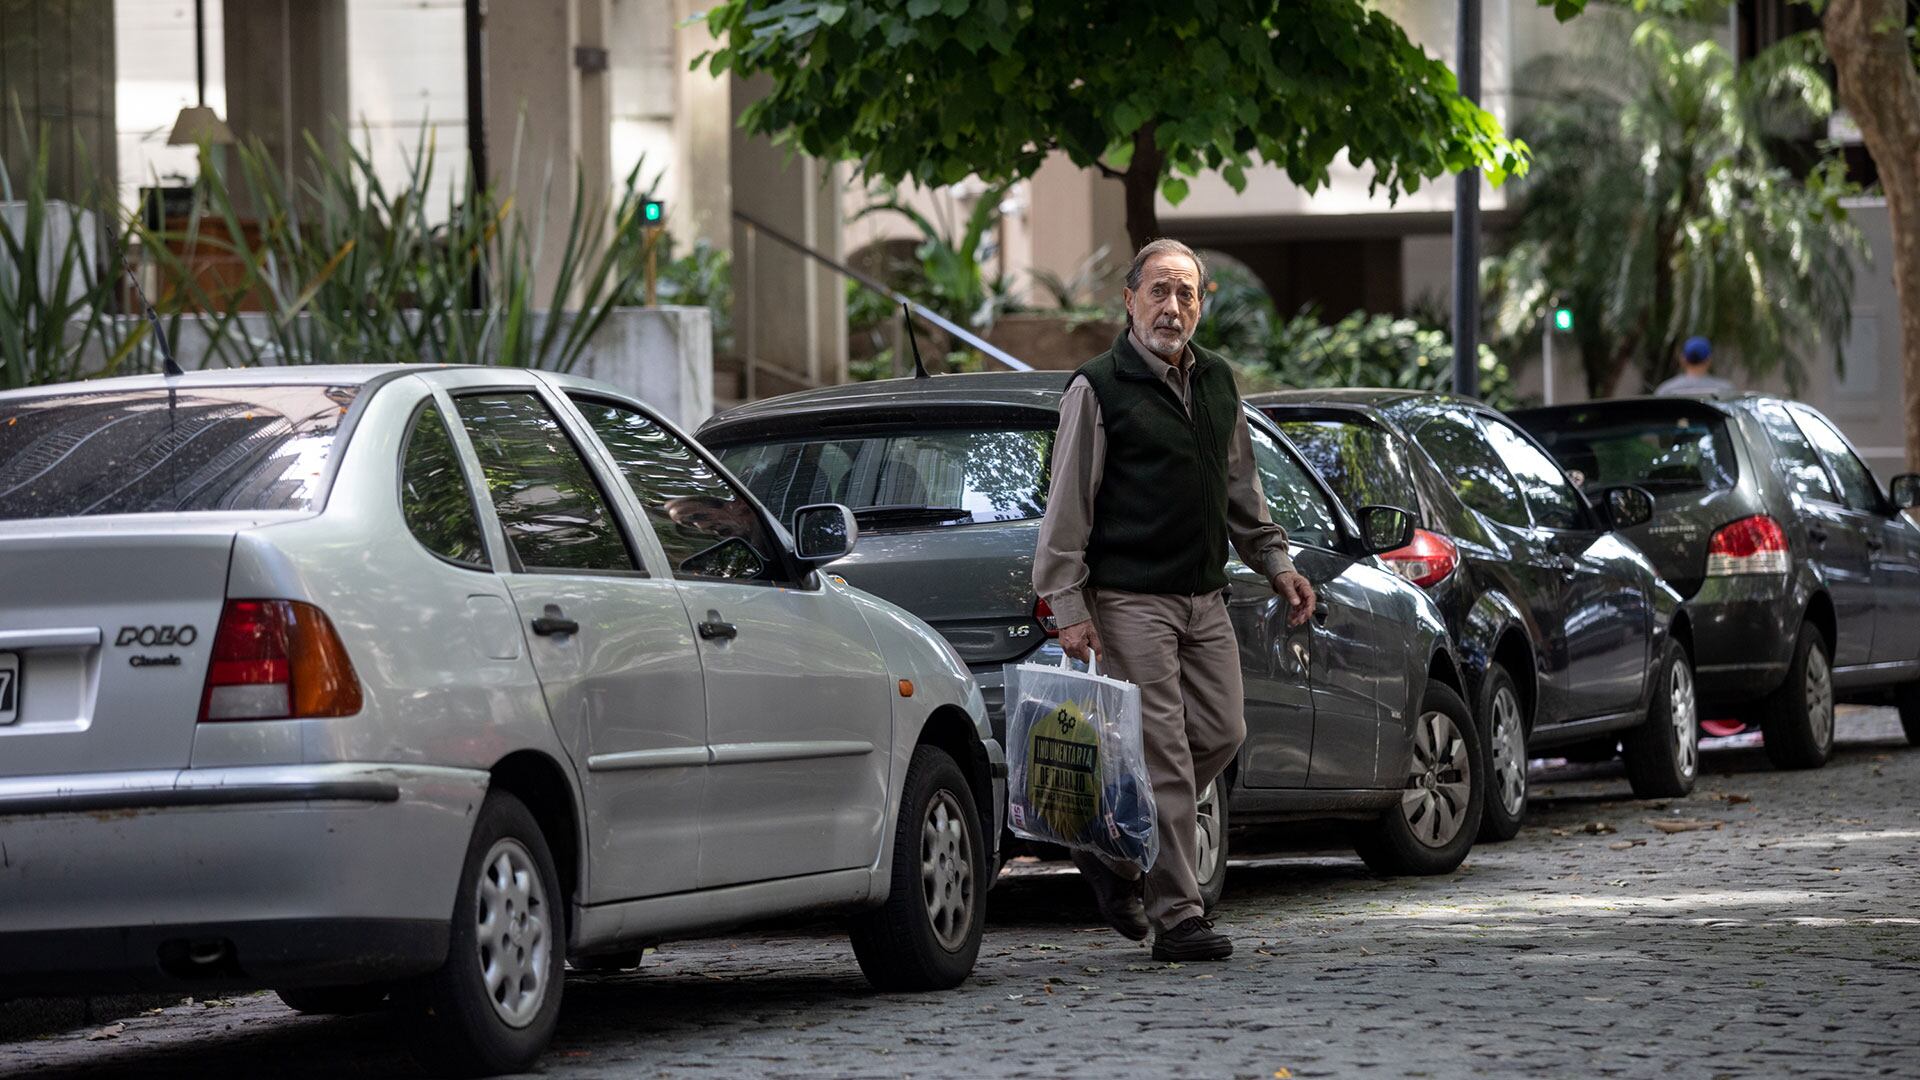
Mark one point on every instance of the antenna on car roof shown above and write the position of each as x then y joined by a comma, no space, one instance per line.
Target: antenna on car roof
169,365
919,367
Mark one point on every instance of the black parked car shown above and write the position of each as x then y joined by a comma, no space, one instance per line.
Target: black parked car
1801,575
1354,716
1566,633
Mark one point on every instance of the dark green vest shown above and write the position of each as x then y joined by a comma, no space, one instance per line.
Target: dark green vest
1160,517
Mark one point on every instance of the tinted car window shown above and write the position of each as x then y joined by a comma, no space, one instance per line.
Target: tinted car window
1800,467
1857,487
1457,445
707,527
1549,495
905,480
161,452
1364,464
555,516
1293,500
433,493
1662,450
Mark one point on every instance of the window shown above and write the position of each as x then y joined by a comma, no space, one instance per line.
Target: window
904,480
1800,467
1295,503
1857,487
1657,446
707,528
1470,465
555,516
1549,494
433,493
1364,464
161,452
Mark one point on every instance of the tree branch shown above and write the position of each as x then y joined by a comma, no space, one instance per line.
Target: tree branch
1109,171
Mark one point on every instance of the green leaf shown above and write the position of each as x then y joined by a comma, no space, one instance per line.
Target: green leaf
920,9
831,14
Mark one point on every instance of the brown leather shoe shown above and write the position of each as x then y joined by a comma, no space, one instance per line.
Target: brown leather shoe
1117,898
1193,939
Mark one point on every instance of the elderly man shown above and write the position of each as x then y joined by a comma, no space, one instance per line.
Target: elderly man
1153,475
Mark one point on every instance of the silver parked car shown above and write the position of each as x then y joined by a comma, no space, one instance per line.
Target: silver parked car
414,683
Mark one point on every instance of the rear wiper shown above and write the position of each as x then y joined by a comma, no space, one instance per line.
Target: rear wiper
907,514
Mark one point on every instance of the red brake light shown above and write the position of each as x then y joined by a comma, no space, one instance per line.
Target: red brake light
1043,614
274,660
1426,560
1752,545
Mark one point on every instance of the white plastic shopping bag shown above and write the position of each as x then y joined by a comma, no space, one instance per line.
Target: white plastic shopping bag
1076,771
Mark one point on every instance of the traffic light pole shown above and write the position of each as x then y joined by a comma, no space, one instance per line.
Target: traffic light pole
1546,359
1466,218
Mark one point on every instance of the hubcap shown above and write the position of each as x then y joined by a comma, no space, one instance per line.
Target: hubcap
1439,784
511,932
1819,697
1206,847
1681,710
946,871
1509,753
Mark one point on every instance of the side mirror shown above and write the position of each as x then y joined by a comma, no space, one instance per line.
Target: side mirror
1905,490
823,532
1627,506
1384,528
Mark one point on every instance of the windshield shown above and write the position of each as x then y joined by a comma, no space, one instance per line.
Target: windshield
908,480
1662,449
160,452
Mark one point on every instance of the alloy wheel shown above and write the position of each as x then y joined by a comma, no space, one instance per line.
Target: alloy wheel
1439,783
1509,753
1206,848
946,871
1819,697
511,932
1684,714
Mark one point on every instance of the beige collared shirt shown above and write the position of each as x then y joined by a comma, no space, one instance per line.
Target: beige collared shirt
1079,458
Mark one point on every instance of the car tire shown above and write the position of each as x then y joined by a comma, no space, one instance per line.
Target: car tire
1662,754
1796,720
493,1009
1210,847
1503,730
1433,826
1907,697
926,936
335,1000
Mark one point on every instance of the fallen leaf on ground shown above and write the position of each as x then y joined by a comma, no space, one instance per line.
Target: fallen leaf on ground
1623,845
1680,825
1735,799
1560,832
1597,828
1283,1074
111,1031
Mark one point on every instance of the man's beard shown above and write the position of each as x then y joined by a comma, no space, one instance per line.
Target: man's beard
1169,339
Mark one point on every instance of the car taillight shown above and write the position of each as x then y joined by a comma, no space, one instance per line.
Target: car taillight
1752,545
1426,560
277,660
1043,614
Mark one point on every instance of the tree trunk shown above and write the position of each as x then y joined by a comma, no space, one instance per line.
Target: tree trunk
1881,91
1142,180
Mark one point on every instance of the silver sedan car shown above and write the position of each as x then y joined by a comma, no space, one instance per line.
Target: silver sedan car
410,685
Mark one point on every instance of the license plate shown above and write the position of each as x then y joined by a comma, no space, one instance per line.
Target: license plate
9,687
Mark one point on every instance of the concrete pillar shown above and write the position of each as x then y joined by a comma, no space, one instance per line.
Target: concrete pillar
286,64
57,62
790,312
548,116
702,207
1074,212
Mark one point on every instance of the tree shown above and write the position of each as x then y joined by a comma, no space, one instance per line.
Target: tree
1658,208
1871,43
1149,94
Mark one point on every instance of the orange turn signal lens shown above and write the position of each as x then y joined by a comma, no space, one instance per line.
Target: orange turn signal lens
906,687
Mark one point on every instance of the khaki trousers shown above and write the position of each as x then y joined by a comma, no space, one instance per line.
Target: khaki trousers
1182,654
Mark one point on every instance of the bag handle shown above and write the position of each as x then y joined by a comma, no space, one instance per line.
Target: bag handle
1093,662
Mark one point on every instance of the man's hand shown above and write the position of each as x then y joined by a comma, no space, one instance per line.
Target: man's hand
1080,640
1298,592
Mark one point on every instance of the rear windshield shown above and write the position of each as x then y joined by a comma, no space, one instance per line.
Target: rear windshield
1664,450
908,480
1363,464
162,452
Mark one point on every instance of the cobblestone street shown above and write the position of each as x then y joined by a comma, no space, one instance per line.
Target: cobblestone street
1775,934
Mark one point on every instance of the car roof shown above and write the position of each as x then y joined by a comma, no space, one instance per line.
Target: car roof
291,374
1720,402
1037,392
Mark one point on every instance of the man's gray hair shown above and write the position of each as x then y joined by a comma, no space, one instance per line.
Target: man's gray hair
1164,246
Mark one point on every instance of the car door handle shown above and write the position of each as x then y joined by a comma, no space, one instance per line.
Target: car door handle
548,625
1321,611
1568,564
1816,534
1874,543
715,630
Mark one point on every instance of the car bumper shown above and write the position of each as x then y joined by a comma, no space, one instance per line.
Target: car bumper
993,690
1743,636
223,878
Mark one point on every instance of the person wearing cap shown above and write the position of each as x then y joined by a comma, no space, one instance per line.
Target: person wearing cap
1696,356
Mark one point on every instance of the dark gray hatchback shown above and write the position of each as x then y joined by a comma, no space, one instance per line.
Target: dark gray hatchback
1801,574
948,479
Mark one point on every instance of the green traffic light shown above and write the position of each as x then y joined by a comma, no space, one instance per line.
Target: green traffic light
653,210
1563,319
